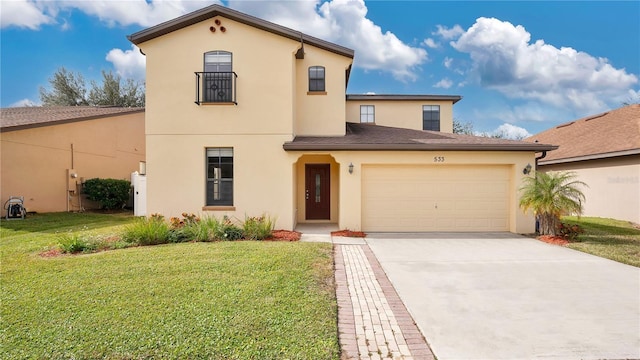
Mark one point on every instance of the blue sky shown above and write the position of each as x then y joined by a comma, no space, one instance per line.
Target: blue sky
521,67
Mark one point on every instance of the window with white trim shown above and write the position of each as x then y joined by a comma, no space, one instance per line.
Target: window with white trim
367,114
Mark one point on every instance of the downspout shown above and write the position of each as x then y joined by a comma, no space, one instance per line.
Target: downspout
544,154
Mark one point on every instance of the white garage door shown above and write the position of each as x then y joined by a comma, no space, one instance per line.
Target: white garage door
435,198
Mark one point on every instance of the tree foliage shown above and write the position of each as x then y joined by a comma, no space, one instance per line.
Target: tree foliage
466,128
70,89
551,195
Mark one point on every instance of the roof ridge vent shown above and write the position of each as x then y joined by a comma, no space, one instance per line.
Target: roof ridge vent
564,125
596,116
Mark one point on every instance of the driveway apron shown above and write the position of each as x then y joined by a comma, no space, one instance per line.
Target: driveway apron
504,296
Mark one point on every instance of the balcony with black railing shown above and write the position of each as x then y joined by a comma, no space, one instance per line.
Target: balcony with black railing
216,87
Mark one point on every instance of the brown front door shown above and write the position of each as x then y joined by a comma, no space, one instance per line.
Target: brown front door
316,192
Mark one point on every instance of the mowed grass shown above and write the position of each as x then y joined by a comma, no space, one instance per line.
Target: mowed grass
612,239
223,300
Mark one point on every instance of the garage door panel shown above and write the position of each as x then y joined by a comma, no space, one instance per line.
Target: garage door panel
435,198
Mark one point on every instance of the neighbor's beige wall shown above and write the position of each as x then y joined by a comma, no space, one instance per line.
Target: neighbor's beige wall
350,210
321,114
614,186
402,114
35,160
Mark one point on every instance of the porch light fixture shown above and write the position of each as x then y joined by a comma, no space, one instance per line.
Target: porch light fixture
527,169
350,168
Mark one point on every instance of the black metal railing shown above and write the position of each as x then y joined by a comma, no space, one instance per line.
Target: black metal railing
216,87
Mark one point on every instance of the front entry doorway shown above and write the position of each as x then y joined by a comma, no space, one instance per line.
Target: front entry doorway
317,192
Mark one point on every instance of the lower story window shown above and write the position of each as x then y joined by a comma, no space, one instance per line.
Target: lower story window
220,176
431,117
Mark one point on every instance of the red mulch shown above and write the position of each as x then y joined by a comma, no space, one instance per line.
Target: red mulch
284,235
348,233
556,240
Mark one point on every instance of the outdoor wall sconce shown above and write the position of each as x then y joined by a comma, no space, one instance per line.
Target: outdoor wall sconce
350,168
527,169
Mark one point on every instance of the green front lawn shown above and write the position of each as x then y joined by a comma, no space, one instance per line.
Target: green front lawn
612,239
221,300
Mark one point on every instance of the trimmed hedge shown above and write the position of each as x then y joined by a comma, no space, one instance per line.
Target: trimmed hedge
110,193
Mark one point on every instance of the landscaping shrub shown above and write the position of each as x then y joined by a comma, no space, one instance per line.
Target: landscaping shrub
110,193
148,231
228,231
74,243
569,231
257,228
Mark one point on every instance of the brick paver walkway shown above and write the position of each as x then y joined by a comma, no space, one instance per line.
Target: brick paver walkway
373,323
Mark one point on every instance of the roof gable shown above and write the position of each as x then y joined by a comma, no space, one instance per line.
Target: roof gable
613,133
218,10
19,118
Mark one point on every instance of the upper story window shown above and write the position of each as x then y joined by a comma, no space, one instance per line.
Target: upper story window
431,117
218,77
316,78
367,114
220,176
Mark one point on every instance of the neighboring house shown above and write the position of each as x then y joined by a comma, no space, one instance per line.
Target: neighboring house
604,151
48,151
246,117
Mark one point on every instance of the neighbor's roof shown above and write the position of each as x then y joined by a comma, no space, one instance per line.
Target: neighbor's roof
374,137
613,133
218,10
398,97
19,118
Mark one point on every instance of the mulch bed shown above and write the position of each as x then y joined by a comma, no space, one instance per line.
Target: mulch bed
556,240
284,235
348,233
51,253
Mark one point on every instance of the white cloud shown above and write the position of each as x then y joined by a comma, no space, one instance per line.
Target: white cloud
344,22
136,12
509,131
449,33
447,62
23,13
24,103
505,59
429,42
129,63
444,83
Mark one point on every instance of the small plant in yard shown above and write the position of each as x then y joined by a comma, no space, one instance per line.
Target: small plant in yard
74,243
147,231
257,228
228,231
569,231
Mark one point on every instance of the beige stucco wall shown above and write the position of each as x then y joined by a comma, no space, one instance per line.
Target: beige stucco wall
35,160
614,186
350,184
321,114
401,113
176,180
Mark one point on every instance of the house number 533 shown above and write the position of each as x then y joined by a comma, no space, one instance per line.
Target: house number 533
438,159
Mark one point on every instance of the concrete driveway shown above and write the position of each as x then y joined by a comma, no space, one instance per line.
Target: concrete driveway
503,296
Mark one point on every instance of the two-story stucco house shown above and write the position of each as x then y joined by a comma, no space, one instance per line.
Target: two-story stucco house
245,117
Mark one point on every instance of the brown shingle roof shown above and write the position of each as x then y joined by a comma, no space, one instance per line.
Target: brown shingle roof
613,133
25,117
374,137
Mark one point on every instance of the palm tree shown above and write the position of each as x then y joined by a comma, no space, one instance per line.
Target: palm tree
551,195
